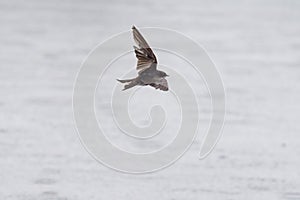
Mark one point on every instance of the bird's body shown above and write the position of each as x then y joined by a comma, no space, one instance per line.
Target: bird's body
147,66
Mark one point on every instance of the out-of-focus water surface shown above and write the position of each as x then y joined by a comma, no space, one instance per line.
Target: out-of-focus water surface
256,46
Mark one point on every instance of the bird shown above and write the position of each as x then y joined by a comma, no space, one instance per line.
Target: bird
148,75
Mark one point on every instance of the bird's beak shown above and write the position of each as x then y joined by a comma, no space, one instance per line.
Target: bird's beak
167,75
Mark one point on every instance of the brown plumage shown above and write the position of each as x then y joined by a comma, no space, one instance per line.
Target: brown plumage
146,66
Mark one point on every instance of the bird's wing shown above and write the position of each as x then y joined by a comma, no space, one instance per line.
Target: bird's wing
161,84
143,52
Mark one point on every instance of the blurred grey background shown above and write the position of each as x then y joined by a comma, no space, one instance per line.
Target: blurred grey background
256,46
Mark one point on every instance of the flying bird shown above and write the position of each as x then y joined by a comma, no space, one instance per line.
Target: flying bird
146,66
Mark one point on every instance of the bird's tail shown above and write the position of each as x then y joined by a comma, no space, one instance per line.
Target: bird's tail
132,82
125,80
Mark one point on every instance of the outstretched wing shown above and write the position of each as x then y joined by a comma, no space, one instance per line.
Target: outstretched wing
161,84
143,52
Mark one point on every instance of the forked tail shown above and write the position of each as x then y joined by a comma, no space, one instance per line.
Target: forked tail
132,82
126,80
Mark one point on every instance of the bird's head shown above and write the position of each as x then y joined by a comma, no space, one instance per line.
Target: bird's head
163,74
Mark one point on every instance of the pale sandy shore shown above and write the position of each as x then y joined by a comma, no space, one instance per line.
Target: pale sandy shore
256,46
